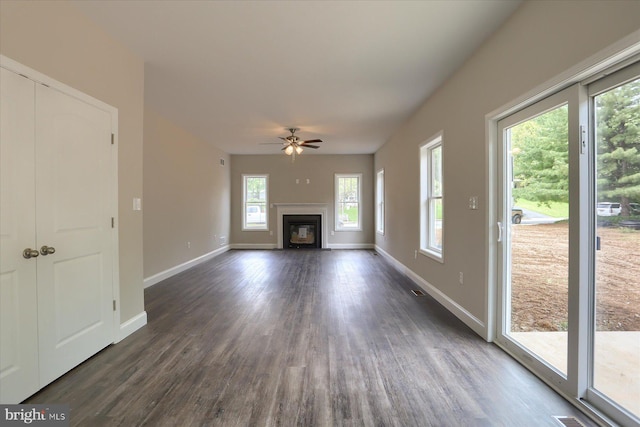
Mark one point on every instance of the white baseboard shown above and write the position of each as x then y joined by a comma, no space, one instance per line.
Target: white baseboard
351,246
478,326
254,246
329,246
159,277
132,325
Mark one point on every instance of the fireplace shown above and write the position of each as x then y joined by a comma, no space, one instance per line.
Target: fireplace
302,209
302,231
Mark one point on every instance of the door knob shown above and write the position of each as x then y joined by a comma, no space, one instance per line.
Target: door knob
47,250
30,253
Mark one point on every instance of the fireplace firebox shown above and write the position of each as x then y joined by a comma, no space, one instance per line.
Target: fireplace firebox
302,231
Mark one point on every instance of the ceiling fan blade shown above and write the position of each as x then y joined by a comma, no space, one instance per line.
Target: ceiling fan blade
284,139
269,143
311,140
309,146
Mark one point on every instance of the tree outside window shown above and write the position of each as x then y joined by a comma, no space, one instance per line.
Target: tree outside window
348,195
255,189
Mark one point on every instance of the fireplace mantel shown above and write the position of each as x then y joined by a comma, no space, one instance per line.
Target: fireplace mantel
302,209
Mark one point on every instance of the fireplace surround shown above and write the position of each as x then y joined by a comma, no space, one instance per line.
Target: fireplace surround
319,209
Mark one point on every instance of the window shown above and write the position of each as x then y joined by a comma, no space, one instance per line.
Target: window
380,201
254,202
431,198
348,199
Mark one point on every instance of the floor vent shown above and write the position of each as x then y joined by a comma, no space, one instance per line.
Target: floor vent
569,421
417,292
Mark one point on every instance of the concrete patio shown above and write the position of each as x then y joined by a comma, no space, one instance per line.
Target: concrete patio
617,361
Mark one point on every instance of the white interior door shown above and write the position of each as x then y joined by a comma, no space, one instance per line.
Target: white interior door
18,302
73,216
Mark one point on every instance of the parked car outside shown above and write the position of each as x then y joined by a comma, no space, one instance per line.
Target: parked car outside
634,208
609,209
254,215
516,215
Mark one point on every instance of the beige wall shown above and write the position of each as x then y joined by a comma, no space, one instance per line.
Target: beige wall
56,40
320,170
540,41
186,195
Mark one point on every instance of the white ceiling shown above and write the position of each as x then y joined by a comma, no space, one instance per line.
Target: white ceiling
236,73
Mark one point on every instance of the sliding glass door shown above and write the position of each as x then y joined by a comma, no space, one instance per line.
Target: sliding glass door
535,222
569,250
615,104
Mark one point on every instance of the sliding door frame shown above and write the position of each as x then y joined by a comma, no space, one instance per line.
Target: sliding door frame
574,97
594,88
576,388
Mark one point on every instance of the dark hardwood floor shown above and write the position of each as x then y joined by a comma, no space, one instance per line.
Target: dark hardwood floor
309,338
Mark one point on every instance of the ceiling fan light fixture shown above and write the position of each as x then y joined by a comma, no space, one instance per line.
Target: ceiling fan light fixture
298,149
289,150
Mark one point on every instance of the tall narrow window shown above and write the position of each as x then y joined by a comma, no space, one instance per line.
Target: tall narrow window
254,202
348,201
431,198
380,201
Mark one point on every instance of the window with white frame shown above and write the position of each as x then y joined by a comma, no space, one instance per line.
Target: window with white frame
255,196
348,193
380,201
431,198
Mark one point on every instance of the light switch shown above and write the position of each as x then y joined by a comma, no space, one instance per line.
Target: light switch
137,204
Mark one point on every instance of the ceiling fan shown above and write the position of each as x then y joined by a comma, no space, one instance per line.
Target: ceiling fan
294,145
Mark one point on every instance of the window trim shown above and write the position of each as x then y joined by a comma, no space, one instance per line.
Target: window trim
380,199
427,226
337,178
244,202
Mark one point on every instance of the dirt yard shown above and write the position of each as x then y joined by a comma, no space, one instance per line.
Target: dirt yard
540,272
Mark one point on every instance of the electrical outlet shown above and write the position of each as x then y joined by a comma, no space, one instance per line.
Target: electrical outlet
188,245
415,254
461,278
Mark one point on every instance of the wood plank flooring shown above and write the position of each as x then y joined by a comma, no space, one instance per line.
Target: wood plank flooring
308,338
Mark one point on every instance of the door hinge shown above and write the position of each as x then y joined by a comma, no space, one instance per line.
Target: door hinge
113,139
114,305
113,222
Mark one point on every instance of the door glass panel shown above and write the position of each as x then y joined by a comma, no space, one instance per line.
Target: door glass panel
616,355
539,236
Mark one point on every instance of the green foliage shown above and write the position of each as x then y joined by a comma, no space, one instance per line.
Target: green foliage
540,151
618,144
541,158
256,187
352,214
553,209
